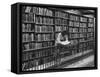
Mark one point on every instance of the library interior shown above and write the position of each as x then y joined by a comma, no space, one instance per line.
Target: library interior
40,29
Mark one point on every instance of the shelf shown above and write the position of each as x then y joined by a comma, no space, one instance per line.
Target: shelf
38,49
38,58
28,22
44,32
62,24
44,24
62,18
28,41
28,32
46,40
44,15
37,41
74,20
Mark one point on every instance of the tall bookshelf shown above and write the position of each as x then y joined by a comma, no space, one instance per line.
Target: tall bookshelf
40,27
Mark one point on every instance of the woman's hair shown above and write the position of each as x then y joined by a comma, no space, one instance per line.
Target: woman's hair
65,33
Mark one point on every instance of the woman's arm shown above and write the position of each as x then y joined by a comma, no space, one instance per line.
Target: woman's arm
62,42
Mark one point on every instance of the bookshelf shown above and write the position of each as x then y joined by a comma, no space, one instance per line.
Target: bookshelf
39,28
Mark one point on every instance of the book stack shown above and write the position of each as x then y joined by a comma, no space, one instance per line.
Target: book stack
28,18
74,18
27,28
44,37
39,28
61,14
28,37
43,20
38,10
83,19
60,28
59,21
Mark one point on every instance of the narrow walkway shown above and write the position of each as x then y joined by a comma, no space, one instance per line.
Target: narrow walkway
86,62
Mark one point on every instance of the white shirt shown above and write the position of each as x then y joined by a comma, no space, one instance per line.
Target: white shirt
58,40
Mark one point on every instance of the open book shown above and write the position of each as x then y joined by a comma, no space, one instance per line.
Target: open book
65,42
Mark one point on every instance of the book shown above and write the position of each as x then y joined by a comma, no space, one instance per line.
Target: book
73,30
59,21
82,30
40,28
28,18
43,20
91,19
61,14
27,28
44,37
74,36
28,37
83,19
83,24
74,17
90,25
59,28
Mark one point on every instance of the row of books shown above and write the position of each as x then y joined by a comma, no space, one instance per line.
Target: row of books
61,14
91,19
73,23
27,37
33,46
90,29
74,18
90,38
82,35
39,54
60,28
90,25
83,49
44,37
48,12
82,40
83,24
83,19
73,52
82,45
74,35
79,35
73,29
74,41
60,21
90,34
38,10
82,30
39,64
86,39
43,20
27,28
39,28
77,24
30,18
